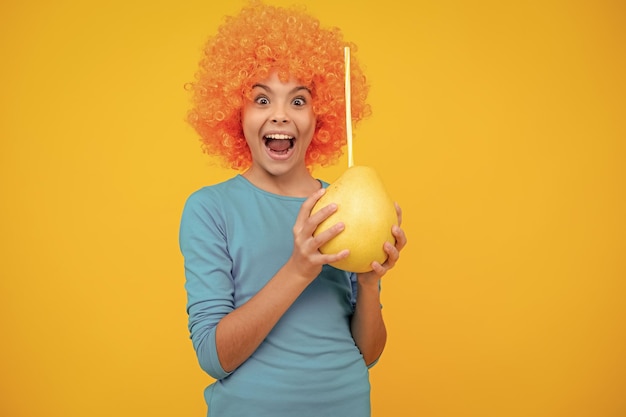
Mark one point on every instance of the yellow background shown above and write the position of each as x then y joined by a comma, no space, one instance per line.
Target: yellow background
499,127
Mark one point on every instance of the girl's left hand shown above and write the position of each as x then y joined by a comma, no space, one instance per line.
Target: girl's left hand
393,252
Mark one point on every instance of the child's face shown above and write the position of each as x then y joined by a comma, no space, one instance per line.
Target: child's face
278,124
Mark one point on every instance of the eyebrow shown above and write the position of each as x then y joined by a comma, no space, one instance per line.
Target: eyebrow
293,90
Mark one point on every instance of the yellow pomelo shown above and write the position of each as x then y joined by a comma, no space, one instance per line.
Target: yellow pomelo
367,211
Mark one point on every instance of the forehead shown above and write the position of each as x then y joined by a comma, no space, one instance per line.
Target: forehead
274,84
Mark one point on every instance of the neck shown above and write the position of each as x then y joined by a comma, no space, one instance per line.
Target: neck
300,184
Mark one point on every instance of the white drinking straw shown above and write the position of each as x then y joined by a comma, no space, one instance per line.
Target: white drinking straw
348,108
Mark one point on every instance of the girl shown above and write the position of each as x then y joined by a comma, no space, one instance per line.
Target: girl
281,331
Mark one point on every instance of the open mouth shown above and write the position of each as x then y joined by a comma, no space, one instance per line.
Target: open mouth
279,143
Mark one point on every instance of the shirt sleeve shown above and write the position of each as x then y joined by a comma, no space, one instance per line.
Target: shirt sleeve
208,280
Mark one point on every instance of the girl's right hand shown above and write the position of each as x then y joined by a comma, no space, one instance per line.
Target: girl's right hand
306,257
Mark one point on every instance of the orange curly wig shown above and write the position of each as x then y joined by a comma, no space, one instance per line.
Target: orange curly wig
246,49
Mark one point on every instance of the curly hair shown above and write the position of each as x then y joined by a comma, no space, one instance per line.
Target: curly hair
248,47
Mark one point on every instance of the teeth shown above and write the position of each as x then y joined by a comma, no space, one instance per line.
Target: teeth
278,136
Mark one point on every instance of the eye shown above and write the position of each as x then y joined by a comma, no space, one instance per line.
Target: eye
261,100
299,101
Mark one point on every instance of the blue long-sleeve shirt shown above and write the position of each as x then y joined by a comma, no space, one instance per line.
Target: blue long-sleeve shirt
234,238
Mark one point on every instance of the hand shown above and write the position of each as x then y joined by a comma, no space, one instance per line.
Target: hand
306,257
393,253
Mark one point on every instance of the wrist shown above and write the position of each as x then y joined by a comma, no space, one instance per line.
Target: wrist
293,270
368,284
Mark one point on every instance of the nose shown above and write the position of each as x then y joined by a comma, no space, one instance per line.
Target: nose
279,115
